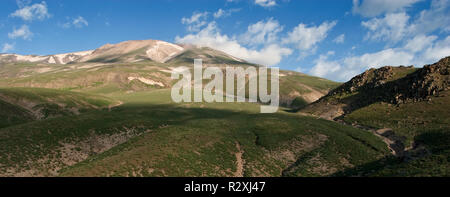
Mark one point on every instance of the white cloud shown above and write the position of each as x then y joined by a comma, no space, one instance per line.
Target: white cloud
393,57
343,70
262,32
371,8
306,38
340,39
435,18
391,27
23,32
23,3
219,13
225,13
440,49
196,21
7,47
417,51
78,22
37,11
210,36
323,67
395,27
419,43
266,3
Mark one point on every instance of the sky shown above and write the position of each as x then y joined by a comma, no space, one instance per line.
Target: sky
327,38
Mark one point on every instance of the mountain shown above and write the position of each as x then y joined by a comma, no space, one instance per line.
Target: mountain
409,108
134,66
108,112
49,59
134,51
127,52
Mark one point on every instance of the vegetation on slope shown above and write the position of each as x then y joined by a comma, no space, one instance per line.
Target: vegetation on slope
21,105
413,103
150,136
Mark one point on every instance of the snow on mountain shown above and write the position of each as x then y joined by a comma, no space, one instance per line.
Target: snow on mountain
49,59
128,51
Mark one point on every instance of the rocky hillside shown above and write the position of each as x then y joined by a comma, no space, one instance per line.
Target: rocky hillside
394,85
407,107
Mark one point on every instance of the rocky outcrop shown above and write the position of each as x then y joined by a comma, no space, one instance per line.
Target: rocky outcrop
423,84
394,85
387,84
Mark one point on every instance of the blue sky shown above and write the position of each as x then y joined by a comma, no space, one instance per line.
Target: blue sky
326,38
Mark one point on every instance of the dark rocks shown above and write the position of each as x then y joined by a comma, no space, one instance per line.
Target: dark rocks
387,84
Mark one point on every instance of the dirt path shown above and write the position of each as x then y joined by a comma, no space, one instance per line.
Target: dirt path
116,105
239,162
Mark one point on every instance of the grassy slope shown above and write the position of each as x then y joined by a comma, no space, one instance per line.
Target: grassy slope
110,78
426,123
12,114
200,140
21,105
188,140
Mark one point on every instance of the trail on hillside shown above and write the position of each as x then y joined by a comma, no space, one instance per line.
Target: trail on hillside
239,161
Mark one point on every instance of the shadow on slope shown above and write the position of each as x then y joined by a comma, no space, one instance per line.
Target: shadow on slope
142,139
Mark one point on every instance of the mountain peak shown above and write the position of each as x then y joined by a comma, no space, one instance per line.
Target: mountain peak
132,51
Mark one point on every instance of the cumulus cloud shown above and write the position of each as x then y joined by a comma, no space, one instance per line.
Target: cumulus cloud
221,13
196,21
306,38
391,27
38,11
324,67
7,47
417,51
340,39
78,22
266,3
344,69
419,43
395,27
437,51
23,32
409,40
262,32
371,8
211,36
435,18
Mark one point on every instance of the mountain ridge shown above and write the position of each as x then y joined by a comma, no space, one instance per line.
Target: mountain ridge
394,85
132,50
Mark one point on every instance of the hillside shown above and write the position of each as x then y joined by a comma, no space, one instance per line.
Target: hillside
134,66
109,113
151,136
21,105
407,106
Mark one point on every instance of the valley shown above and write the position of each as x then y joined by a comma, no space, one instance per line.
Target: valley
108,112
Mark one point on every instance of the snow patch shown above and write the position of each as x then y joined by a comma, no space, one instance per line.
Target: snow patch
146,81
163,51
51,60
29,58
